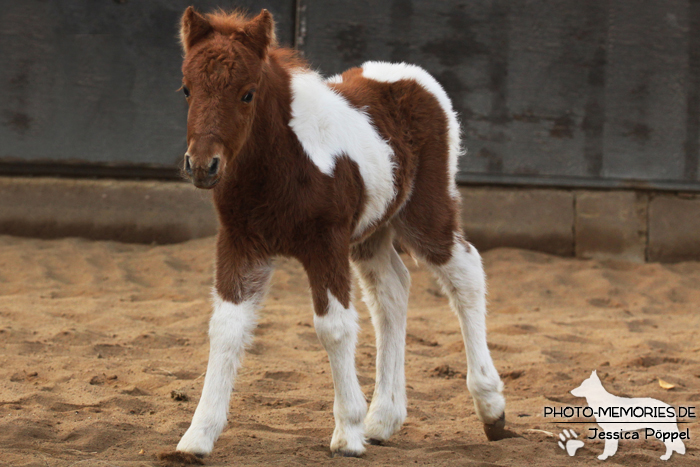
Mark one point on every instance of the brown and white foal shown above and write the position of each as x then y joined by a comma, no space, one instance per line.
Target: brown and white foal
328,171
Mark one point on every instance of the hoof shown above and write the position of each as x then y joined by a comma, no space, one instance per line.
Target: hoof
343,453
497,430
375,442
180,458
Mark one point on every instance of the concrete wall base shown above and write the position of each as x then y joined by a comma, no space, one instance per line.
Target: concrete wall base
626,225
125,211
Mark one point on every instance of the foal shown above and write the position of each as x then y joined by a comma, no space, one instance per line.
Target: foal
329,172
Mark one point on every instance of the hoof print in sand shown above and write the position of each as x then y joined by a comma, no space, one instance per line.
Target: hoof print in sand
179,395
346,454
178,458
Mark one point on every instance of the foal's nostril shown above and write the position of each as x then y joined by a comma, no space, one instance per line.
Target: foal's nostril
188,165
214,166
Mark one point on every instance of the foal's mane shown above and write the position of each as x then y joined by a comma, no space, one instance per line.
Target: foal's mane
232,22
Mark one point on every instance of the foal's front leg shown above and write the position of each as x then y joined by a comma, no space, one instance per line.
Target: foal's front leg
238,294
336,323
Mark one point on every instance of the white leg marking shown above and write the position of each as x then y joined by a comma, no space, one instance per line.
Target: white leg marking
385,283
230,332
328,127
392,72
337,330
464,282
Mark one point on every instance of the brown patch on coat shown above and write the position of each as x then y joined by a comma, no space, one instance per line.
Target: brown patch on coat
411,119
390,107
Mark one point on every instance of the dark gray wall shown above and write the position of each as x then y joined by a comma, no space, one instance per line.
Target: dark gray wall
97,81
568,92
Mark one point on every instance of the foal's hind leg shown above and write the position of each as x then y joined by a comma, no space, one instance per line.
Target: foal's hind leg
458,267
463,280
385,284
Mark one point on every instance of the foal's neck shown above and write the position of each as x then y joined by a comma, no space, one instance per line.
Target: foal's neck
274,107
271,124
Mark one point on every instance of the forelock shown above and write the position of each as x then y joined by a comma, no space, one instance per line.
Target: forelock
215,65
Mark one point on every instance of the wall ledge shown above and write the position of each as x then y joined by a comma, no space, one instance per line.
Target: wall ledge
630,225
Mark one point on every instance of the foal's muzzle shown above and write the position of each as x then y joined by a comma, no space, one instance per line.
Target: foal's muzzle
203,175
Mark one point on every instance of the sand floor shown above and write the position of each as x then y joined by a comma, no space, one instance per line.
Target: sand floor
96,336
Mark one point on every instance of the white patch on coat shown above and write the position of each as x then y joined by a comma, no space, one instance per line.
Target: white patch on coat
327,127
335,79
230,332
464,282
385,285
393,72
337,330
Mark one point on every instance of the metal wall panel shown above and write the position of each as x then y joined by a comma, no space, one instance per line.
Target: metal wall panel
96,81
596,93
646,90
599,93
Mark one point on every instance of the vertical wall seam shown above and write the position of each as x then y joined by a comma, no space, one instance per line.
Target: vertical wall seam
573,224
648,196
692,139
593,123
299,25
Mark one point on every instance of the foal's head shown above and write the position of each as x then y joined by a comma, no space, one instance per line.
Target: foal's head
224,58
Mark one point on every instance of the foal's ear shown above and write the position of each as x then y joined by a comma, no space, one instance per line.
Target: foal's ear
193,28
259,33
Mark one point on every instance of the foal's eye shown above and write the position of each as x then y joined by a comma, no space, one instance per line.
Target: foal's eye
186,90
248,97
